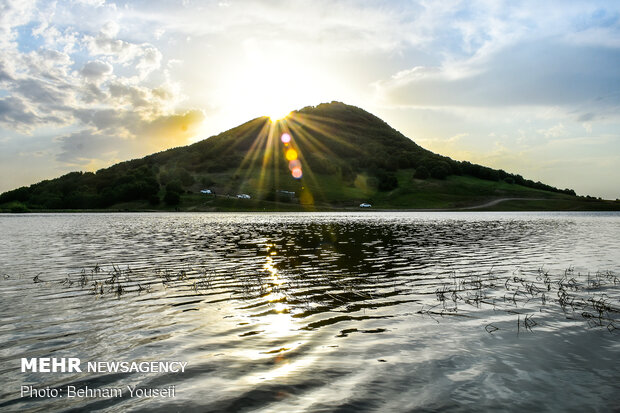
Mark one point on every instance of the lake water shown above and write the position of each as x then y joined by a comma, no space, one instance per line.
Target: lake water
316,311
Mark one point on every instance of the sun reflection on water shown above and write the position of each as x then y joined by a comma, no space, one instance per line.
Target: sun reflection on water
279,333
280,323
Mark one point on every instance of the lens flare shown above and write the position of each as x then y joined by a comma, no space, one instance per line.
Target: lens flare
285,138
296,172
291,154
294,164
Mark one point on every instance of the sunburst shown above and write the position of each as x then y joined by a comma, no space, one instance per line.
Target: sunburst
285,142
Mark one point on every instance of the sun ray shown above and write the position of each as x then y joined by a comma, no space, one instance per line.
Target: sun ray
269,158
306,137
295,140
252,157
238,131
321,126
252,154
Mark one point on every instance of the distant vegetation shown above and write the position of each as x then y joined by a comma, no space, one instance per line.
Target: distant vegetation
348,155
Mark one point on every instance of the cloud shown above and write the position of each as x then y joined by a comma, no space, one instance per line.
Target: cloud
19,115
96,70
110,29
41,87
547,72
554,131
172,130
149,60
129,94
330,26
5,75
144,57
14,13
112,135
112,112
94,3
46,95
80,148
14,112
103,45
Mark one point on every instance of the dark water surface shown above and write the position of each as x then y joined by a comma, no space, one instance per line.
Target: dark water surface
317,312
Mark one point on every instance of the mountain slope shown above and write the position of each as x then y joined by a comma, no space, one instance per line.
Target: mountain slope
329,156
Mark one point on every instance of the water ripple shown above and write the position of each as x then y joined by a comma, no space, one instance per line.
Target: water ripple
316,312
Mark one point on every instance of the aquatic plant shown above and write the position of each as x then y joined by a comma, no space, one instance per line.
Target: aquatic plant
570,294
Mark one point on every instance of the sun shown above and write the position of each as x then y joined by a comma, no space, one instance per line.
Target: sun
271,84
276,113
273,91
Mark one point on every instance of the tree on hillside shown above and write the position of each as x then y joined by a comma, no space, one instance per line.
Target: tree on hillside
421,173
173,193
387,180
440,170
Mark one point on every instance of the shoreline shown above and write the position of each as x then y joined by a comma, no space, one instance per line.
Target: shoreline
489,205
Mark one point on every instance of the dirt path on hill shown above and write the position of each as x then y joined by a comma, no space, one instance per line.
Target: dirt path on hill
497,201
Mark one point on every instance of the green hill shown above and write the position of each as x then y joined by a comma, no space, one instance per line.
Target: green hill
341,156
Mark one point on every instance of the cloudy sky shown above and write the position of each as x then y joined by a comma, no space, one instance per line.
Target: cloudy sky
532,87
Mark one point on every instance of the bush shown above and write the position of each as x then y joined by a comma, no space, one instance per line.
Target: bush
421,173
569,192
172,198
185,177
440,170
18,207
387,181
154,199
174,186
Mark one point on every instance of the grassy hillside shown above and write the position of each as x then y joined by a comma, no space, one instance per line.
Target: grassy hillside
328,157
